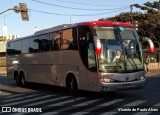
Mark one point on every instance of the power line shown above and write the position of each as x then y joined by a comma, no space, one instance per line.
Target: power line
74,7
51,13
85,3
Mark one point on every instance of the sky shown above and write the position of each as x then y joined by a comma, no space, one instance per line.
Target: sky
57,12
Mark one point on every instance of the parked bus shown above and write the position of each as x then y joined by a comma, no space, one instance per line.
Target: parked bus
97,56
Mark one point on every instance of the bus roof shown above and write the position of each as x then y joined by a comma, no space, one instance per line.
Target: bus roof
89,23
52,29
106,23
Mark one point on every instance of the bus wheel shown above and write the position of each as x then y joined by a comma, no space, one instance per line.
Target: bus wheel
22,79
18,81
72,85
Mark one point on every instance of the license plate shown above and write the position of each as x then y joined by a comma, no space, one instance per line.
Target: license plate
126,86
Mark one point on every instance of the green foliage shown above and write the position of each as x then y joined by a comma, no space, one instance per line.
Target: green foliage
148,23
155,4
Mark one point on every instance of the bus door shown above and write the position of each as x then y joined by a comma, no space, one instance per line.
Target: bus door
86,48
92,73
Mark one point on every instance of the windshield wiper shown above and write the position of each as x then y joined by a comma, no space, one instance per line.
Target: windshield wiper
134,63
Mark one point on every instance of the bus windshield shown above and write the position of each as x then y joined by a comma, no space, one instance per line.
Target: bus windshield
120,49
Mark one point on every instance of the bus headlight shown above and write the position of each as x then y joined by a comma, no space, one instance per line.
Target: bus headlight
142,78
106,80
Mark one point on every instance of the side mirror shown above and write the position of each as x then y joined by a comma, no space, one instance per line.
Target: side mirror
150,42
98,46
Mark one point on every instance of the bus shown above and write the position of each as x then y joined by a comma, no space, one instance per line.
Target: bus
98,56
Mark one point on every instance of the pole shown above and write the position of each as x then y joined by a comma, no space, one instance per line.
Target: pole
6,11
70,19
159,6
131,8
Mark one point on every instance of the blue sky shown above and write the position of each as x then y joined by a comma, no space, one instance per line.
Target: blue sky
15,24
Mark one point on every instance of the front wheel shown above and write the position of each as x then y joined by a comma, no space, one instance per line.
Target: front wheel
72,85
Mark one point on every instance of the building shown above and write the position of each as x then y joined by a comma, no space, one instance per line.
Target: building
3,41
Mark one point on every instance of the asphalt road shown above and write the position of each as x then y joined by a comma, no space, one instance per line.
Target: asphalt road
51,100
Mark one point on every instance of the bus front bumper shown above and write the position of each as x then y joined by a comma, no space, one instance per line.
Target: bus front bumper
106,87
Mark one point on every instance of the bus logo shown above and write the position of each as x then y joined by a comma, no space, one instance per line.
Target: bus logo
127,78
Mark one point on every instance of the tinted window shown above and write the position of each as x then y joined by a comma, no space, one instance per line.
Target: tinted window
18,47
44,44
33,44
67,38
10,48
55,40
86,44
70,39
25,46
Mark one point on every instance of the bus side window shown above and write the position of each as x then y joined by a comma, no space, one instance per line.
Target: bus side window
18,47
10,48
33,42
55,41
25,45
66,39
69,39
73,42
44,42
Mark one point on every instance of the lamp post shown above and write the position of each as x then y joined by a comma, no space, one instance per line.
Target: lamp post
22,8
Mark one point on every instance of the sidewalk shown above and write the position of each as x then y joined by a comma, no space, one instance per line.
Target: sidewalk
3,74
153,73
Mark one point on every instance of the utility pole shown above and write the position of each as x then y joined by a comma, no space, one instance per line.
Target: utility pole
4,27
70,19
131,9
159,7
4,30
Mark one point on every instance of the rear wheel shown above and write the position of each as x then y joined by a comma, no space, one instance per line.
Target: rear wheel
20,80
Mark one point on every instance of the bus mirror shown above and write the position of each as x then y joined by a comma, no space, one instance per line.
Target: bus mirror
150,42
98,47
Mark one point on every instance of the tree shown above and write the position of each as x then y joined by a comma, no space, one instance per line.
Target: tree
148,23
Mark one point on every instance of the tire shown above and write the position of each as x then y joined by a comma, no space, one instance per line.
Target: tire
73,87
20,80
23,83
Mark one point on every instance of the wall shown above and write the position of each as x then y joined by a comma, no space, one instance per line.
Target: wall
155,65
